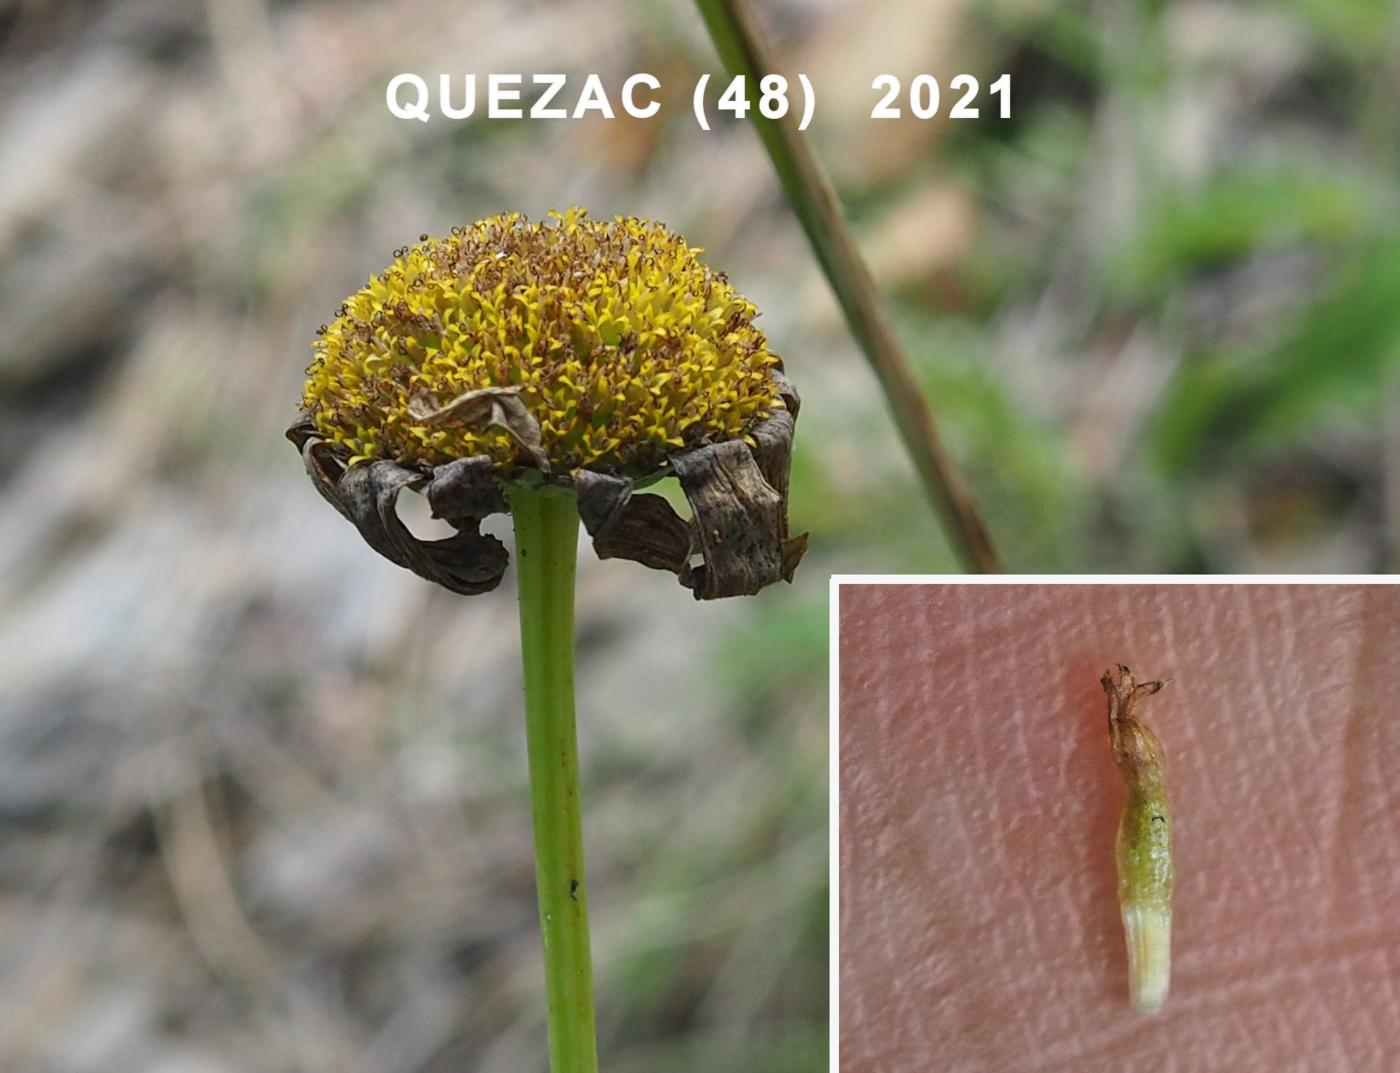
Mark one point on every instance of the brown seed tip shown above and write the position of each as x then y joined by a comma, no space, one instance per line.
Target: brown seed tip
1136,749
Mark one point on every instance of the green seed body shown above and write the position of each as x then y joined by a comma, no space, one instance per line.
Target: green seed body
1145,849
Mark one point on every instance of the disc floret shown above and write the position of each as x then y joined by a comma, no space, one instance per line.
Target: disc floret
620,342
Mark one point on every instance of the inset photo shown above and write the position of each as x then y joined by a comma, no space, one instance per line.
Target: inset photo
1104,824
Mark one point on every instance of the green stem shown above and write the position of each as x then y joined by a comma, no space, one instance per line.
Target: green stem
546,543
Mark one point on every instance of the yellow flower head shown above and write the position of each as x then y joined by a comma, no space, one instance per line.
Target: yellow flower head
619,343
594,357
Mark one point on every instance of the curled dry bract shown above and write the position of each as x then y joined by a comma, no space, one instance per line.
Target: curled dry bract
737,493
468,562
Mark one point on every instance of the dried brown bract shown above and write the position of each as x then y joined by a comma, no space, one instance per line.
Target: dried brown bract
737,494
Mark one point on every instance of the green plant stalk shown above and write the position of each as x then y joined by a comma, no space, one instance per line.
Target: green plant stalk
741,47
546,544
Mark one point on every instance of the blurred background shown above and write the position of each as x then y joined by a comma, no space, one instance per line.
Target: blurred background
262,797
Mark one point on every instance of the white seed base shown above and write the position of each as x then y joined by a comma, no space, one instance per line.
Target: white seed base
1148,929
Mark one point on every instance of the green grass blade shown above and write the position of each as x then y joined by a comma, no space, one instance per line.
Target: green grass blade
744,52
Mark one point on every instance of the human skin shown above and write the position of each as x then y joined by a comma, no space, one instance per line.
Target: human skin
979,800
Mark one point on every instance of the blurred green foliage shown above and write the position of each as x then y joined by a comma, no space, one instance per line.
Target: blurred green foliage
1194,211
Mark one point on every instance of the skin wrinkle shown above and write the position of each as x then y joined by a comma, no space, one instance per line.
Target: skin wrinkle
1235,748
1257,678
889,756
1004,818
1325,791
1186,734
1286,957
855,677
1272,969
1026,947
1330,789
1239,1049
1359,752
1004,945
1268,998
964,857
1280,693
1362,750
